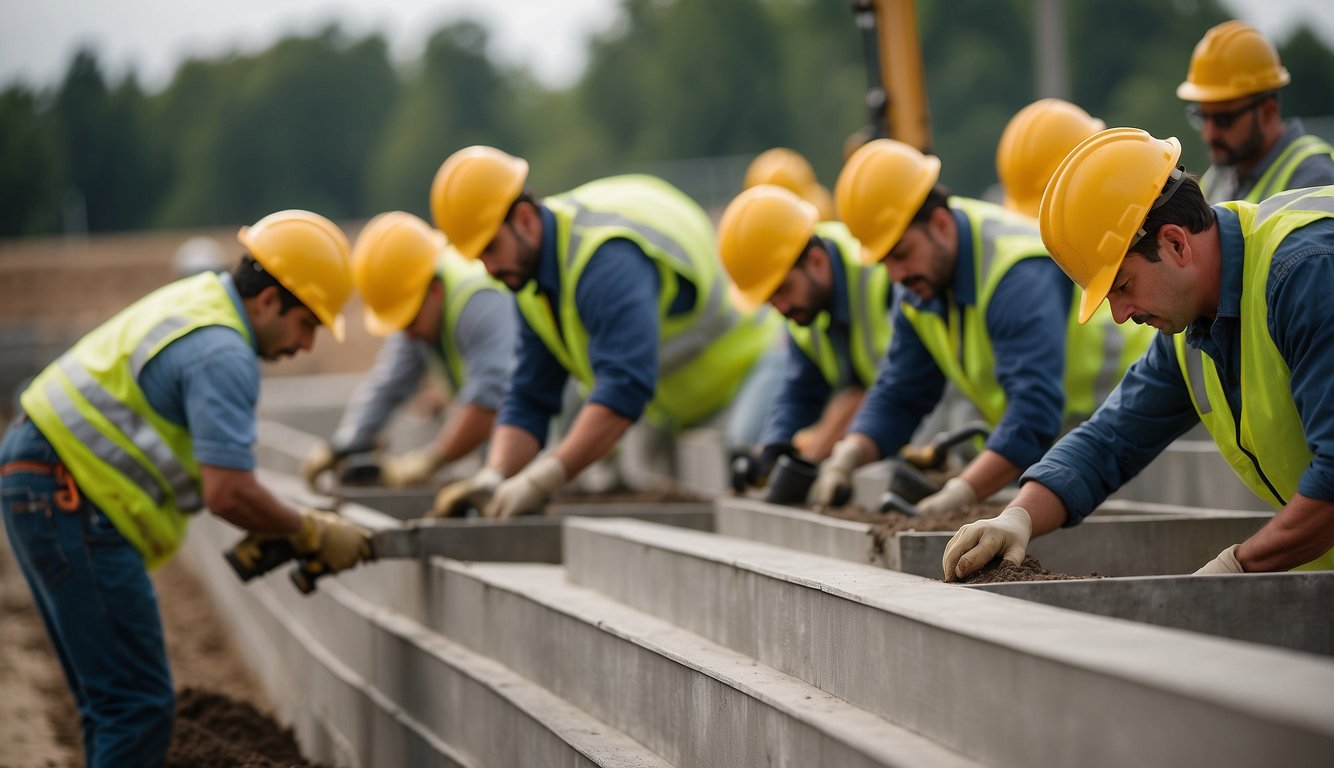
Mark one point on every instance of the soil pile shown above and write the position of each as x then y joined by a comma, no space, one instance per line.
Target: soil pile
214,731
999,570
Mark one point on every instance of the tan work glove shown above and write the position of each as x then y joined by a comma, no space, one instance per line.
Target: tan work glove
321,459
528,490
335,542
411,468
476,491
975,544
956,495
833,485
1226,562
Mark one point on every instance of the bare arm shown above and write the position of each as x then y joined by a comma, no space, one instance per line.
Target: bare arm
815,442
1044,507
988,473
1301,531
467,428
511,449
237,497
595,431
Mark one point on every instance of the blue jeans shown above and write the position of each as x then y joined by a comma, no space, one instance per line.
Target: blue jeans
100,611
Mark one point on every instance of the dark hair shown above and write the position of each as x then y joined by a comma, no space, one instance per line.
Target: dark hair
526,196
814,242
251,278
938,197
1186,207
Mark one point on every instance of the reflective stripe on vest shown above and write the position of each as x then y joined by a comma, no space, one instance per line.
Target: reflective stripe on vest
1279,173
1097,353
461,280
870,323
703,355
131,462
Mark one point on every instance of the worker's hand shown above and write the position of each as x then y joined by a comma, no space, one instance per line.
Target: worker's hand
956,495
412,468
455,499
833,485
335,542
751,471
528,490
975,544
321,459
1226,562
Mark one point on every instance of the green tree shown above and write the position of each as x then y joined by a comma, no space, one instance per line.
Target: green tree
1311,63
29,187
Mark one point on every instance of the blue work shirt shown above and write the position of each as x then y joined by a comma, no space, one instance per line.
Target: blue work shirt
617,301
214,400
1152,407
1026,320
805,389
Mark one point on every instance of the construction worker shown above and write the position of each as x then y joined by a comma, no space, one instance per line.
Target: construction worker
788,169
1034,142
1233,84
776,250
985,310
146,420
430,303
618,284
1237,292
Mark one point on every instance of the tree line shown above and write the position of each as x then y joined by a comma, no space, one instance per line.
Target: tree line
328,122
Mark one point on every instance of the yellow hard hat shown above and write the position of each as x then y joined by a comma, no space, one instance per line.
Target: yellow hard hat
783,167
393,261
1232,60
881,188
308,254
472,192
1035,141
760,236
819,196
1096,204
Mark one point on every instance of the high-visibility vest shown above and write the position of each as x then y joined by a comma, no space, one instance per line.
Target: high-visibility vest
1267,446
134,464
462,280
1097,353
870,326
1279,173
704,354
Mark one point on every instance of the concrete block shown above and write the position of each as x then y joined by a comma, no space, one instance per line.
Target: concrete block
1122,539
1192,472
702,463
1005,682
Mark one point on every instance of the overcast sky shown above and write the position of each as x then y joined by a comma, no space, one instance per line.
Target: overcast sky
38,37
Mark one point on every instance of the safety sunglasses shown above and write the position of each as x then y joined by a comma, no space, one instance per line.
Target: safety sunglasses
1224,120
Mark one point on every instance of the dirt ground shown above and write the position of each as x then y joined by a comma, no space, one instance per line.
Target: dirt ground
221,718
999,570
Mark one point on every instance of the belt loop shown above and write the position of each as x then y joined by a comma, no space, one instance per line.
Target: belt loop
67,498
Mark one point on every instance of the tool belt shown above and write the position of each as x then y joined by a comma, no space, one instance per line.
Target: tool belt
66,496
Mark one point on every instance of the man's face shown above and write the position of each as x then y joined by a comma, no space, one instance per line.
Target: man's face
923,259
806,289
1153,293
511,256
278,334
426,325
1231,129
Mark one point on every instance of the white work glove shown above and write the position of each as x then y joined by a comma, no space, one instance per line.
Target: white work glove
321,459
1226,562
528,490
956,495
412,468
835,478
975,544
335,542
455,498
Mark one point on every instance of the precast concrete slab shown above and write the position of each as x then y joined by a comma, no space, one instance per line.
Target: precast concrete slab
688,699
365,685
1192,472
1003,681
1286,610
1120,539
702,463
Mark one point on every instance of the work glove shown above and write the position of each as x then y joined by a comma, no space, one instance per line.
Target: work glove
1226,562
956,495
833,486
528,490
455,499
321,459
411,468
975,544
332,541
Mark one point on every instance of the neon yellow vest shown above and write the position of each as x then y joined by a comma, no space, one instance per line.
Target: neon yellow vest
703,355
1268,448
1279,173
462,280
135,465
868,290
1097,354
